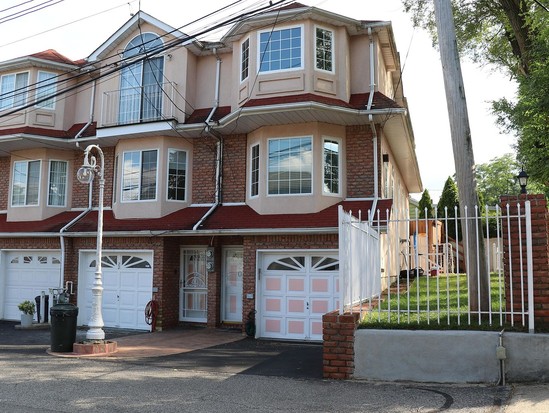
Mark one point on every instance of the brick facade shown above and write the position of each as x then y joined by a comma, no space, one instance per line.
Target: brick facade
540,255
360,161
4,182
234,168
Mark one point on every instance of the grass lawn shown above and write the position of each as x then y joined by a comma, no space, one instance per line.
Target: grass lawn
436,303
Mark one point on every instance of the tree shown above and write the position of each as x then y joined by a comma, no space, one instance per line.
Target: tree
426,209
513,36
497,177
448,207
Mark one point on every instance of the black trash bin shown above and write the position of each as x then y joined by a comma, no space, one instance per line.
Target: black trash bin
46,307
63,327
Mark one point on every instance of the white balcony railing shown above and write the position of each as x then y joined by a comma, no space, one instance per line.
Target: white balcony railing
138,104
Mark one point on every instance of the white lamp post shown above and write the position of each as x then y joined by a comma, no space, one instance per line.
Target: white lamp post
85,175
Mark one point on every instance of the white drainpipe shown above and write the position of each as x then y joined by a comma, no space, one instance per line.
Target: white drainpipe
372,124
88,209
62,238
219,147
92,103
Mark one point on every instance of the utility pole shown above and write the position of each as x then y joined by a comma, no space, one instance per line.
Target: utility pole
464,160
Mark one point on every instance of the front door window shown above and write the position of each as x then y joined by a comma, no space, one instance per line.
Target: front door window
193,291
232,285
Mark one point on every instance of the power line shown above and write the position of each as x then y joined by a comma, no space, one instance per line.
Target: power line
28,11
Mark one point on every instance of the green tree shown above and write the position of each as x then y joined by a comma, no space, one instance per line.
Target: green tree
496,178
426,209
448,207
513,36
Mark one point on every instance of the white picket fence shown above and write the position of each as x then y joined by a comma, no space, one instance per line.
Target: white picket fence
381,260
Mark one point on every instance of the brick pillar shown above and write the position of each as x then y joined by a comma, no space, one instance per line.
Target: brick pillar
338,351
540,256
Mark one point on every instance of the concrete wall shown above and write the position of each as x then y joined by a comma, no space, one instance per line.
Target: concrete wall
449,356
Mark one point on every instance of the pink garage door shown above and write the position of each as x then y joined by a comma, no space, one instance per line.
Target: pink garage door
295,290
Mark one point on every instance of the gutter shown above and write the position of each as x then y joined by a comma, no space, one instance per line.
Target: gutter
219,146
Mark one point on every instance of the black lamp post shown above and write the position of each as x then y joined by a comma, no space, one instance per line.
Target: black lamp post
522,180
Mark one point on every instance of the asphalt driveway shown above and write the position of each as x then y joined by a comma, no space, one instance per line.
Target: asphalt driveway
243,356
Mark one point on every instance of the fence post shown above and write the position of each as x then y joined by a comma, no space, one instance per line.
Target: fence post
537,264
338,347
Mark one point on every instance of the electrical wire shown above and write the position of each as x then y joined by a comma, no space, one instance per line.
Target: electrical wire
28,11
128,61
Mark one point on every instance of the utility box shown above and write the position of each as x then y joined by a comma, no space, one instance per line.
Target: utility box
63,327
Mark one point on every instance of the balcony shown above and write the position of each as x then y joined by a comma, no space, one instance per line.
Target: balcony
138,105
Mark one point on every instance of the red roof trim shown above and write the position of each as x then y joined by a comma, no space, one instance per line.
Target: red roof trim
52,133
233,218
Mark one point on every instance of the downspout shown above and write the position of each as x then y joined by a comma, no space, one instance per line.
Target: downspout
62,238
219,146
372,125
92,103
88,209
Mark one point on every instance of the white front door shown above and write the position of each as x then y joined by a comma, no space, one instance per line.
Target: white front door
26,275
232,285
127,288
296,288
193,286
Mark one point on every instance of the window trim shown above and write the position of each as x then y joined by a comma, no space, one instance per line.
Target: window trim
66,183
46,86
302,48
339,143
155,199
247,59
185,197
25,204
317,27
312,192
25,98
251,175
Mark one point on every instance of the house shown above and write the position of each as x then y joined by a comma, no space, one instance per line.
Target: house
224,163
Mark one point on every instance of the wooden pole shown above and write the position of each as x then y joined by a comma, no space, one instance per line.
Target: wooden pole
464,160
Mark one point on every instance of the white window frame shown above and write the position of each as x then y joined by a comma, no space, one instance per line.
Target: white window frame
311,137
45,88
115,180
269,33
316,50
338,141
186,152
140,151
15,101
252,181
245,59
64,195
26,186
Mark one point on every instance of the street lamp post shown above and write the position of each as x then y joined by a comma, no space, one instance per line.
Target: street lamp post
85,175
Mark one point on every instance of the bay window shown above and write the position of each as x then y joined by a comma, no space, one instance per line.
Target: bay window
57,183
139,175
26,183
46,86
280,49
13,90
290,166
330,157
177,174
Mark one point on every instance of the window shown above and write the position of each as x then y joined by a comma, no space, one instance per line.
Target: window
254,182
46,87
13,90
141,82
290,166
115,181
324,48
139,175
280,50
57,185
177,174
330,158
245,59
26,183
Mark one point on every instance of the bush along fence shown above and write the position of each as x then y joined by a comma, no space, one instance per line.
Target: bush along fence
423,264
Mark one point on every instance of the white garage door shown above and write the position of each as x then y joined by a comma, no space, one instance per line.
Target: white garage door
296,289
127,288
28,273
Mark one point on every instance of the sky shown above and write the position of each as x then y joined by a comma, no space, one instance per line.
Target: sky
75,28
